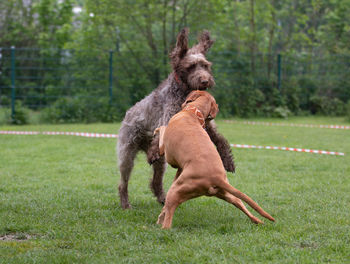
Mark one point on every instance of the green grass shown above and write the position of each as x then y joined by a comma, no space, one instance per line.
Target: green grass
62,191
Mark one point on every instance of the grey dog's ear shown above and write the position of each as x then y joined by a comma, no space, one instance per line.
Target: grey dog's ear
204,42
181,47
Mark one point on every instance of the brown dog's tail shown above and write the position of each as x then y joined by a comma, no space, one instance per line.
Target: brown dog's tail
161,131
232,190
156,148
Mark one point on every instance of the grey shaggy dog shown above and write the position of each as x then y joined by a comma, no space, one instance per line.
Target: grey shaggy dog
191,71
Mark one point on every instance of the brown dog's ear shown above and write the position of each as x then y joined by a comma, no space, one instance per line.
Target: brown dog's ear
204,42
214,110
181,47
190,98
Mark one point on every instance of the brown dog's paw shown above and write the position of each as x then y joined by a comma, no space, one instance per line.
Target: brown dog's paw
256,220
161,218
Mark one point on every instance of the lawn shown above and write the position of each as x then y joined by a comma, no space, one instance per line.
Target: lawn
59,201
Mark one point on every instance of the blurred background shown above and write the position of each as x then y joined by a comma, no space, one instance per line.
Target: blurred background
89,61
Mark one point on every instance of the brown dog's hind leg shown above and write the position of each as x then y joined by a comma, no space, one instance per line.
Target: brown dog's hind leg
172,202
177,194
225,186
239,204
178,172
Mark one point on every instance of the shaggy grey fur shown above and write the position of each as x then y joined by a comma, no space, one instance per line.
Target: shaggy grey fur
191,72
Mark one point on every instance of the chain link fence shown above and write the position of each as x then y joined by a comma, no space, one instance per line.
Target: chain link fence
111,81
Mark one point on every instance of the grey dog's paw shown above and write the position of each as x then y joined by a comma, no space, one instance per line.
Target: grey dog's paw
153,157
229,165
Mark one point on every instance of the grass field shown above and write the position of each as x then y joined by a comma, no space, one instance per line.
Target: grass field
59,202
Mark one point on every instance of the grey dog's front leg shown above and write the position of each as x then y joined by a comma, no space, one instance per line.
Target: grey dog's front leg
222,146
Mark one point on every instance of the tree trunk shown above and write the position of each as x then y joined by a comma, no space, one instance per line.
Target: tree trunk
235,21
270,56
253,38
165,44
173,22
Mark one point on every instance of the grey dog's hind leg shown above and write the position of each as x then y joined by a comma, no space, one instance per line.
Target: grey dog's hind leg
126,156
159,167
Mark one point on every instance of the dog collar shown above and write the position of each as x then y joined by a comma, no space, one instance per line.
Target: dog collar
177,78
197,112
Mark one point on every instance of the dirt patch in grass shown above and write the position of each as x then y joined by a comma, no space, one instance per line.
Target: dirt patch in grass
15,237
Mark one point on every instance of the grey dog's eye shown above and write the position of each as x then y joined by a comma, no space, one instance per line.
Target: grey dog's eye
191,67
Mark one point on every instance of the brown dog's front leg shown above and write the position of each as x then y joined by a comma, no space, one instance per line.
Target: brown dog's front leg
153,154
222,146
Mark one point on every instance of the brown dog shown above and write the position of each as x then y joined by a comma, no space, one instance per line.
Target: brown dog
188,148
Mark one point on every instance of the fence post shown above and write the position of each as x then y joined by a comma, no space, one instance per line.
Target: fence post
279,71
13,87
110,76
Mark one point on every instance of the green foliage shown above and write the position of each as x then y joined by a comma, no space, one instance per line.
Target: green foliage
249,102
348,110
83,109
327,106
73,53
282,112
4,114
21,116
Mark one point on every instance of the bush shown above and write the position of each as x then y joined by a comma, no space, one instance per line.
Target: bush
327,106
21,116
249,103
83,109
4,113
348,110
282,112
5,101
63,110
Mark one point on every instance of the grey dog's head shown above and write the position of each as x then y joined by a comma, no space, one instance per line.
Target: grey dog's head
189,64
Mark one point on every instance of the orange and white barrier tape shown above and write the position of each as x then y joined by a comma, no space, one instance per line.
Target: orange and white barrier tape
99,135
290,149
79,134
291,125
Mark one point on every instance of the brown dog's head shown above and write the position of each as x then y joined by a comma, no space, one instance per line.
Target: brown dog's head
189,64
204,101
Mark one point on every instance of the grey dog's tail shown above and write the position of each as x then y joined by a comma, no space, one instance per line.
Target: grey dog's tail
232,190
